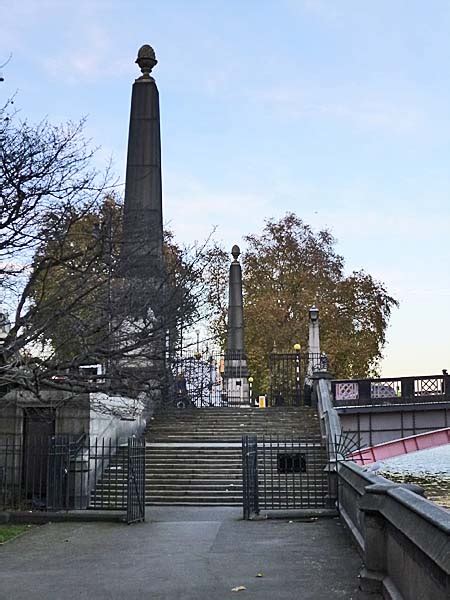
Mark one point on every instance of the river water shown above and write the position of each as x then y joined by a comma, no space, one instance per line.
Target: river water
428,468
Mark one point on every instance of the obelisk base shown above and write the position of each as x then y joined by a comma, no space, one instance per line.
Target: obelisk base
236,386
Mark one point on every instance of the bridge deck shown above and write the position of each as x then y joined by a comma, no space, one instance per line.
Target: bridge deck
423,441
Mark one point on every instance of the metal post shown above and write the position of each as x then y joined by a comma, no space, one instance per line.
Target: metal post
250,383
297,348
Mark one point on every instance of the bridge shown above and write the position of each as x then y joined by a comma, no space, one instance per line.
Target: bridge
386,409
414,443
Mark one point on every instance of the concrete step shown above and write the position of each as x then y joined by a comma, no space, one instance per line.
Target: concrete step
223,438
193,471
238,425
187,465
186,479
194,501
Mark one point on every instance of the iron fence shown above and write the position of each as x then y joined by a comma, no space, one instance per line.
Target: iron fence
209,379
282,473
290,373
391,390
136,481
61,473
250,476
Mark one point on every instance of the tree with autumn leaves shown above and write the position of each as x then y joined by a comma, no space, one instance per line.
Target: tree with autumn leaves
286,269
84,305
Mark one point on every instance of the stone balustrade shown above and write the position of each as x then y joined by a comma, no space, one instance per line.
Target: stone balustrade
403,537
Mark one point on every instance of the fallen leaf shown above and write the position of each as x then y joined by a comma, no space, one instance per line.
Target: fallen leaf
239,588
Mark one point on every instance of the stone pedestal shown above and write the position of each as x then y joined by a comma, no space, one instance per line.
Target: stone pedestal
236,386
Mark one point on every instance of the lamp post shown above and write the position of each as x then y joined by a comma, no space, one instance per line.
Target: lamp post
297,349
314,313
313,341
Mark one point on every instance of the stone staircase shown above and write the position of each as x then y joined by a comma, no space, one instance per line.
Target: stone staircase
194,456
228,424
194,475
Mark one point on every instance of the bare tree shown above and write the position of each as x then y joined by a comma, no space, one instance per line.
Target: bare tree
63,273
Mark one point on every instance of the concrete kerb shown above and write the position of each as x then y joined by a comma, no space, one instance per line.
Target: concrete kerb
300,514
75,516
111,516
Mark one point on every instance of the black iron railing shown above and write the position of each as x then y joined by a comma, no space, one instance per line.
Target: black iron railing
206,378
136,481
391,390
219,379
250,476
289,373
61,473
282,473
292,473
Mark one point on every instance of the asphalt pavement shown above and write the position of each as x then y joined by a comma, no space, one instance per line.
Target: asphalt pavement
182,553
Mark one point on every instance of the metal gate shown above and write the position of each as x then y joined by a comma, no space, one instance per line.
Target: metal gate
64,474
285,473
289,385
206,378
136,481
250,476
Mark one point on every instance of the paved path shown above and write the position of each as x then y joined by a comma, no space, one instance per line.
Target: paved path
181,554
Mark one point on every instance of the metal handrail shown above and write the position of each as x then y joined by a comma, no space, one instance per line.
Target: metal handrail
381,379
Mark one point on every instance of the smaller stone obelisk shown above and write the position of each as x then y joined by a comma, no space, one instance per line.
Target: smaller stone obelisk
235,365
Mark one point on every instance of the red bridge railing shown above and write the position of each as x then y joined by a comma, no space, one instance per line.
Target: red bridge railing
422,389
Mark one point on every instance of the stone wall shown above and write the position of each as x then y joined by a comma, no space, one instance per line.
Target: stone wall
403,537
96,415
117,416
71,412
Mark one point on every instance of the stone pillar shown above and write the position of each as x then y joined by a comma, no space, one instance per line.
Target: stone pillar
374,570
236,384
313,341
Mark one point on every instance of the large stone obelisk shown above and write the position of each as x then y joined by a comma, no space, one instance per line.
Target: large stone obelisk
142,221
142,265
235,364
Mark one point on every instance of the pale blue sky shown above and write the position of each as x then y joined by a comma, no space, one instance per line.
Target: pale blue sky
337,110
